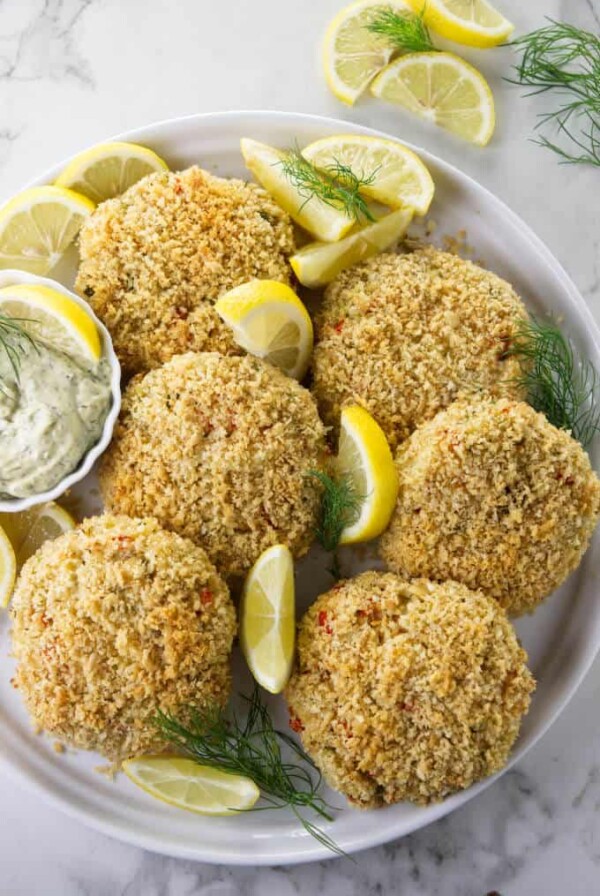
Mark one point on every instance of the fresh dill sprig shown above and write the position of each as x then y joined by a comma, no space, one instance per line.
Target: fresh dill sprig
336,184
340,507
252,747
565,60
406,31
558,383
13,340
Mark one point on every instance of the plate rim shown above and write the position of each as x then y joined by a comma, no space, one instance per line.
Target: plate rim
383,833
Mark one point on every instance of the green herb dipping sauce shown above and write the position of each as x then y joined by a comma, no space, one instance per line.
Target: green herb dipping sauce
51,413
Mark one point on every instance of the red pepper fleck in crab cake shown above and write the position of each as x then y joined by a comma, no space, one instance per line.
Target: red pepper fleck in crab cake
296,724
420,693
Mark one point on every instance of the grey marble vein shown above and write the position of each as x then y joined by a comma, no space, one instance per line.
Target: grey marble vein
592,8
45,47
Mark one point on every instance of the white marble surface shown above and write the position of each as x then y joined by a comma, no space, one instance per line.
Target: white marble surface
73,72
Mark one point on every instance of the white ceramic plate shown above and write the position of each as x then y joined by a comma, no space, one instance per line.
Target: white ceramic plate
562,638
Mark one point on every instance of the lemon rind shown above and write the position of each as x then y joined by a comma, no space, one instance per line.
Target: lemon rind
382,476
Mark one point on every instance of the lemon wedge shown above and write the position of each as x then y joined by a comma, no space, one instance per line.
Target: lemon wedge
54,319
267,628
399,177
108,169
38,225
364,457
188,785
8,569
319,263
441,88
352,55
472,22
322,220
29,529
269,321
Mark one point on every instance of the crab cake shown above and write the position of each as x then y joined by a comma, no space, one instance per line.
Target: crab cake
113,621
405,335
219,449
494,496
407,691
155,260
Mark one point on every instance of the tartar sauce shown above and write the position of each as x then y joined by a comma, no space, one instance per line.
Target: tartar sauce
51,413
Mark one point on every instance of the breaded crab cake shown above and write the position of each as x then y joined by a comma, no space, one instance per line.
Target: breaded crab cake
407,691
114,621
155,260
405,335
494,496
219,448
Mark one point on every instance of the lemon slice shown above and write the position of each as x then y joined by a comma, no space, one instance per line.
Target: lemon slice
472,22
188,785
269,321
322,220
268,625
54,319
399,176
352,55
108,169
29,529
319,263
8,569
364,457
38,225
441,88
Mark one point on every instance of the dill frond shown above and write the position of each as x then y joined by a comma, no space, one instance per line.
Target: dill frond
252,747
558,383
336,185
565,60
406,31
340,507
13,340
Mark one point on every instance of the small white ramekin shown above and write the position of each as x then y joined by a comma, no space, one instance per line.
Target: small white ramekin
10,278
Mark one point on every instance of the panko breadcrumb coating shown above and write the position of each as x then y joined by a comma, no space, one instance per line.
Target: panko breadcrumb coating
405,335
407,691
494,496
114,621
219,449
155,260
